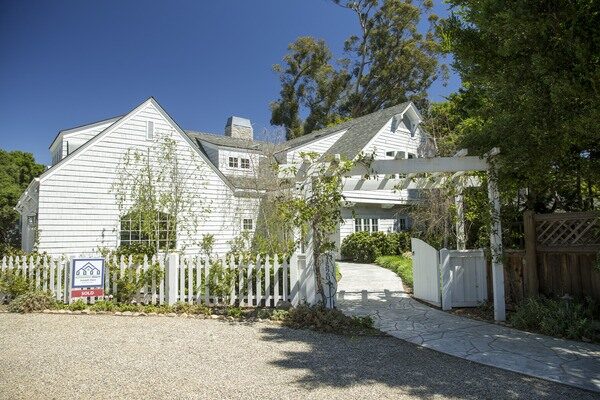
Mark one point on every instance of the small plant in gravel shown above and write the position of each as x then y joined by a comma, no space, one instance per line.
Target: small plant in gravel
78,305
279,315
126,307
264,313
32,301
321,319
234,312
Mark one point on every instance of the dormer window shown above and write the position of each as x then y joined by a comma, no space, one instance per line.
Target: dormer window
150,130
233,162
245,163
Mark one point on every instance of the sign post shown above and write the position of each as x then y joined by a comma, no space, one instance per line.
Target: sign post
87,277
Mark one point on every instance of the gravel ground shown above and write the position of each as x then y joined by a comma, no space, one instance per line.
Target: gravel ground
46,356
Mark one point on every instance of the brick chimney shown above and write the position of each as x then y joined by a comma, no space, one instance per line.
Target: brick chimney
239,128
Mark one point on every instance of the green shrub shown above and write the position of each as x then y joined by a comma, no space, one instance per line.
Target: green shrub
103,305
366,247
557,317
322,319
13,283
124,307
360,247
401,265
78,305
32,301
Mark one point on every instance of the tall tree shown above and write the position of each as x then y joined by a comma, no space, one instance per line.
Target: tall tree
307,80
390,62
531,72
17,169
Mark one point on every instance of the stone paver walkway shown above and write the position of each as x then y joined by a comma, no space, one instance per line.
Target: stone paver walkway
371,290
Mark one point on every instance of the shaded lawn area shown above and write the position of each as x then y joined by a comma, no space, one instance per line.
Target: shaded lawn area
401,265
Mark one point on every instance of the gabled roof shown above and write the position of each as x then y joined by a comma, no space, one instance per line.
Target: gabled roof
359,132
117,123
227,141
82,127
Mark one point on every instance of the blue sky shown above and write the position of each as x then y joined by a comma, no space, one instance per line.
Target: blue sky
67,63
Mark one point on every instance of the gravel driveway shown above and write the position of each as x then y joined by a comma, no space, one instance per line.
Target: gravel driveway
46,356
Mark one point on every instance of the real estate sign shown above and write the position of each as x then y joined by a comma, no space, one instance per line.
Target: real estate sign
87,277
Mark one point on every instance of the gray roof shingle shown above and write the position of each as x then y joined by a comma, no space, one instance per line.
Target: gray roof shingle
359,131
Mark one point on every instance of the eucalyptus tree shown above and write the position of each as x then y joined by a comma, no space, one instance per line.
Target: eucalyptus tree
390,61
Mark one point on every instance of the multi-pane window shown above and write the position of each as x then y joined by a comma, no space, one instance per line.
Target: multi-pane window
233,162
247,224
159,231
245,163
390,153
366,225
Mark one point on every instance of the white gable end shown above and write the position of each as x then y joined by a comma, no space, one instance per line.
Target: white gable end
78,212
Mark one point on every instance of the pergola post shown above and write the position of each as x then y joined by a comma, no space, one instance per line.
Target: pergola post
461,240
496,247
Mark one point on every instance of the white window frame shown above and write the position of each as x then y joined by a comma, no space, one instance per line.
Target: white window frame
233,162
244,163
366,225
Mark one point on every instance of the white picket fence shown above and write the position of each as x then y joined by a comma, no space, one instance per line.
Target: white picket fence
192,279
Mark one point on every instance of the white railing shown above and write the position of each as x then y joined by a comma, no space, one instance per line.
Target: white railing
263,281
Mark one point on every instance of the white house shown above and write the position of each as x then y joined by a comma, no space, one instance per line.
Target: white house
71,208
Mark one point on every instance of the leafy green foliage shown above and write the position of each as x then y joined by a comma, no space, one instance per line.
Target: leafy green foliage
318,210
130,283
401,265
32,301
78,305
103,305
322,319
13,283
389,62
366,247
160,192
17,169
530,73
558,317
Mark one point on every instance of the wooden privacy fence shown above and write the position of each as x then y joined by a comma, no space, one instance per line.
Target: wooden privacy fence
168,279
560,257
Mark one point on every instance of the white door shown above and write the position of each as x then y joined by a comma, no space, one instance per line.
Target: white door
426,273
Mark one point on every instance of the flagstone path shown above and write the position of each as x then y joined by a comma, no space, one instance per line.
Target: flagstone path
367,289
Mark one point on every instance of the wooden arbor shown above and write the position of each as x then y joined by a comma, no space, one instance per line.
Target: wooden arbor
439,171
432,173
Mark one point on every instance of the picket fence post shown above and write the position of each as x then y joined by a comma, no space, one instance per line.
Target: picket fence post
171,278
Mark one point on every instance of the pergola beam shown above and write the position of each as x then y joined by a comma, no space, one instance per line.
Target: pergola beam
352,184
421,165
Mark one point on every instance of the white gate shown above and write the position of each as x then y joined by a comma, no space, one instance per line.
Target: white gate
449,278
464,279
426,273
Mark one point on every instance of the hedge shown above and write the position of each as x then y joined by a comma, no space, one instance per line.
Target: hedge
366,247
